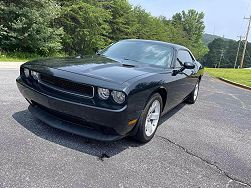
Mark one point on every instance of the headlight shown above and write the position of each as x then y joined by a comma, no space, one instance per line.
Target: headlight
103,93
26,72
118,97
34,75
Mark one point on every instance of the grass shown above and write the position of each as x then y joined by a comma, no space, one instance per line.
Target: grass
17,57
242,76
9,59
24,56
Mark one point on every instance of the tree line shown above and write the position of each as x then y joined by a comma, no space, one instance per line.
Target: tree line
49,27
223,53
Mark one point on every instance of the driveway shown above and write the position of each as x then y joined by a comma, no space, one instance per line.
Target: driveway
207,144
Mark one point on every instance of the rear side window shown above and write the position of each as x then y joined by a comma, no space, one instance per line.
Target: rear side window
183,56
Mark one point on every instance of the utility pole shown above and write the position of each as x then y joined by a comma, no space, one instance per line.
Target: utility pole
238,50
246,41
222,51
221,56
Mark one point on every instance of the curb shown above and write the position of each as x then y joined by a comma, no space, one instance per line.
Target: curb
235,83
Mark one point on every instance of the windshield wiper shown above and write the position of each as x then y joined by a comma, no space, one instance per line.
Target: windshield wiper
127,65
127,59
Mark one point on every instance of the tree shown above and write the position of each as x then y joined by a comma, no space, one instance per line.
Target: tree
86,28
191,22
156,28
143,23
122,22
191,27
27,26
229,47
215,49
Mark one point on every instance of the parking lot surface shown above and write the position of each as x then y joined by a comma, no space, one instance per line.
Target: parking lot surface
207,144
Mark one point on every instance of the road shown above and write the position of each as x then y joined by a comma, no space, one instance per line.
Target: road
207,144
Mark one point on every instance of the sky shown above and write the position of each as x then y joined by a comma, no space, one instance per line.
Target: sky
222,17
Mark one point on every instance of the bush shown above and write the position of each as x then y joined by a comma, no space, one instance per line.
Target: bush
27,26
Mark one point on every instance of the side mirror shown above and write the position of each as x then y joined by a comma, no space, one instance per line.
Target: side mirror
188,65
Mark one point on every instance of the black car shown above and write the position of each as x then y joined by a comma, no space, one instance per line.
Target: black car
121,91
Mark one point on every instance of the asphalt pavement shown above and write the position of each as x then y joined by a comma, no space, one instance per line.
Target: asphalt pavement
207,144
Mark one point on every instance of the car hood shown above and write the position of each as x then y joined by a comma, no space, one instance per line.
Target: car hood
98,67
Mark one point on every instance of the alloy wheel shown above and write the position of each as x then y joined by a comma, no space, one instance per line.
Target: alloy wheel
196,91
152,118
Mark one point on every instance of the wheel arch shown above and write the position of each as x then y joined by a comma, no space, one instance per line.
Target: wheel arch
200,78
163,93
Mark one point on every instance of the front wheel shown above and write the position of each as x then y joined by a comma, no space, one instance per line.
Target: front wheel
149,119
194,95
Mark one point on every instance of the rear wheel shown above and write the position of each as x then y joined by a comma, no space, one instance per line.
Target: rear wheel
194,95
149,119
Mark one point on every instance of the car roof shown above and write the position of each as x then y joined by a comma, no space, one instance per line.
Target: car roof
175,46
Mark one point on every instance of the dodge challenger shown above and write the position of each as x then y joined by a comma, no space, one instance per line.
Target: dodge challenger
121,91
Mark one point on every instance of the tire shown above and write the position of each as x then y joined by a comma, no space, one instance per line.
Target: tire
147,126
192,97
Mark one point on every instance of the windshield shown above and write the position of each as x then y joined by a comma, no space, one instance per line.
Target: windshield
140,52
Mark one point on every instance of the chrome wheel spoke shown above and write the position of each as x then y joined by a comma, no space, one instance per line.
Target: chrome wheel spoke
149,128
152,118
152,107
196,91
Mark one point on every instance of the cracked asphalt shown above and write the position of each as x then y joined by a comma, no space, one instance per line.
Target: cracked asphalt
207,144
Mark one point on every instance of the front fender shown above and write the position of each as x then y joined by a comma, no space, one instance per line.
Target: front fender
141,90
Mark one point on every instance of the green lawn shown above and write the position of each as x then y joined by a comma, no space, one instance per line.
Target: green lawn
10,59
23,57
17,56
242,76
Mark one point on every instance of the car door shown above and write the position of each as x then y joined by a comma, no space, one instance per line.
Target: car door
190,79
184,81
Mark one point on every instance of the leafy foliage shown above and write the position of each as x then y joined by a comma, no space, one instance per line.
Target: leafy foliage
191,25
25,26
122,20
149,27
191,22
228,50
208,38
84,26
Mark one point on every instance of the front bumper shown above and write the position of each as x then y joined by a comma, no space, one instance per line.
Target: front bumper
116,120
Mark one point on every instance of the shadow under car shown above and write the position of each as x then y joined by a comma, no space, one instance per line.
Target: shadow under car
78,143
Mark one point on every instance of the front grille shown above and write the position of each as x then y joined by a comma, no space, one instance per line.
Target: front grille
66,86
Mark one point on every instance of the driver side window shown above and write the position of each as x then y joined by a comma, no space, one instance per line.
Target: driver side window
183,56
